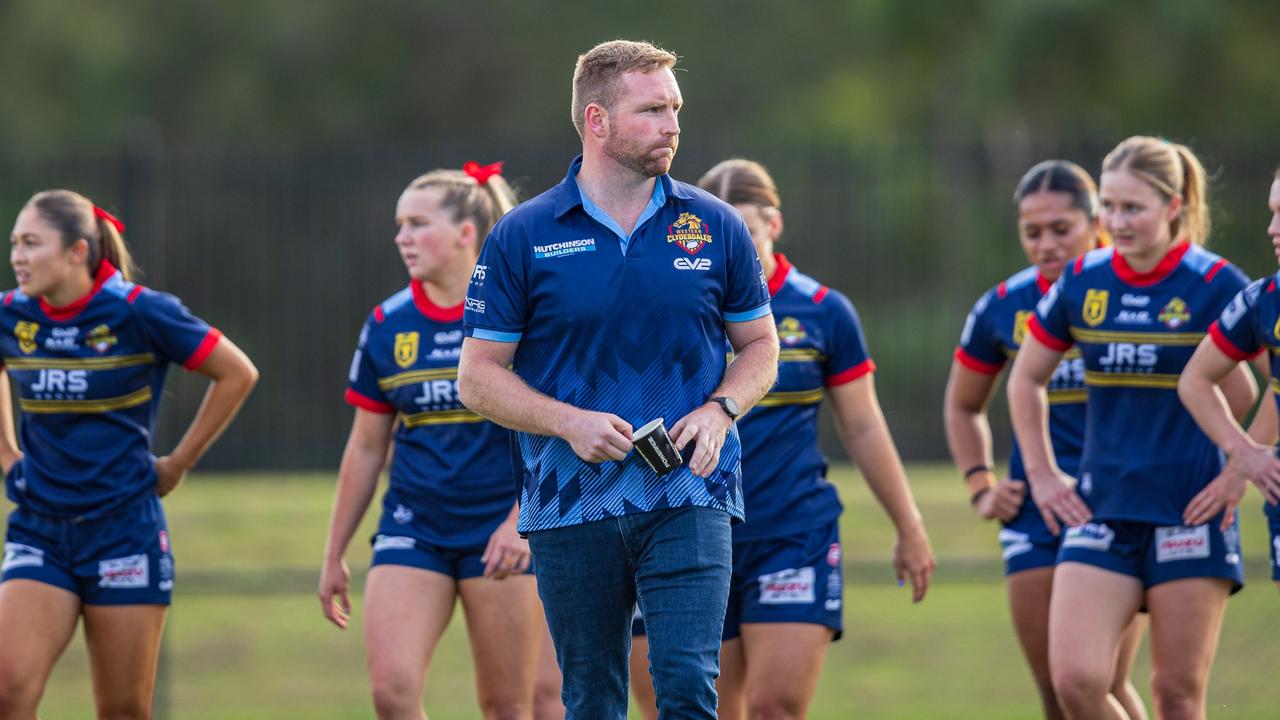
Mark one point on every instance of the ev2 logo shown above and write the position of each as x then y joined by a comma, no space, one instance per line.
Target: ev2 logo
681,263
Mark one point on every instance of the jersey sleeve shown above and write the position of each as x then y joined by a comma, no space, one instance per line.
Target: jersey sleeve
747,295
1051,323
980,349
362,380
846,354
497,298
1237,332
174,333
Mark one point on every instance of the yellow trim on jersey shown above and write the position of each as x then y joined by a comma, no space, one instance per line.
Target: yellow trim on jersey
110,362
1072,353
133,399
1062,397
440,417
797,397
1149,380
1137,338
413,377
1275,386
801,355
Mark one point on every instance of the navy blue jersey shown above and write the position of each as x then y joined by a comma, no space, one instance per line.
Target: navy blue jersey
784,474
992,335
1144,456
630,325
89,377
450,466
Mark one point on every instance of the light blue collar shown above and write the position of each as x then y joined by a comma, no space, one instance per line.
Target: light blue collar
656,201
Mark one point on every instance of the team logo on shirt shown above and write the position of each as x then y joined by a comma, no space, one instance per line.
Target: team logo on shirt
26,334
1276,330
1095,307
1020,326
689,232
1174,314
790,331
101,339
406,350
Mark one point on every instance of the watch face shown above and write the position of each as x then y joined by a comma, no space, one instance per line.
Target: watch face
730,406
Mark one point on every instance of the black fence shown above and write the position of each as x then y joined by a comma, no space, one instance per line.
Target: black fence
288,252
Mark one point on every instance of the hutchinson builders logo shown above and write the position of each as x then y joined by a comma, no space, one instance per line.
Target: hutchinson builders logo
689,232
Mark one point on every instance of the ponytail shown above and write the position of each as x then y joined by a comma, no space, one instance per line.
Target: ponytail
76,216
1195,205
1171,169
112,248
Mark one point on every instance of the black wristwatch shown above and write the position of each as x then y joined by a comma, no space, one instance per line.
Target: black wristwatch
728,404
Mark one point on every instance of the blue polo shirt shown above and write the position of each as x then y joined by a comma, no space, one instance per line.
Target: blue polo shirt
633,326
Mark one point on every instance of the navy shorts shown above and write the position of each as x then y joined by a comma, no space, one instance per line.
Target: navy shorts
1155,554
121,559
790,579
402,539
1273,521
1026,542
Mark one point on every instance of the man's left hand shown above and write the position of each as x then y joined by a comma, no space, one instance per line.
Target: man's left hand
706,427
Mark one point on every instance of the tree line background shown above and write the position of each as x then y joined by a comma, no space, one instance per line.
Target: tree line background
256,150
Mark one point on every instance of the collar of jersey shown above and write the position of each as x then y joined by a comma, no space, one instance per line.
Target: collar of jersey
568,196
432,310
70,310
780,273
1167,264
1043,283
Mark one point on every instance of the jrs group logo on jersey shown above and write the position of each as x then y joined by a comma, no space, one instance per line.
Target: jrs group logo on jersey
1095,307
689,232
406,349
26,333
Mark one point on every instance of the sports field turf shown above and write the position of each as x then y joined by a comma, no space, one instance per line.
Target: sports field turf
246,639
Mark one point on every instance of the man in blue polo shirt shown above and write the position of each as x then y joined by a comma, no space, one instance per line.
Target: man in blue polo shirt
596,307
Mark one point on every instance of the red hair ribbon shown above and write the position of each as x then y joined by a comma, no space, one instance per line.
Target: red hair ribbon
482,173
104,215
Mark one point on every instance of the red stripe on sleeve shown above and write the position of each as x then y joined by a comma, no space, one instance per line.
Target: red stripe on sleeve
1208,277
134,293
1227,347
367,403
822,292
1046,338
863,368
204,349
976,365
377,314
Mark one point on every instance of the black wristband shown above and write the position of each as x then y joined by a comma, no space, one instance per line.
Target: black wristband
977,469
974,498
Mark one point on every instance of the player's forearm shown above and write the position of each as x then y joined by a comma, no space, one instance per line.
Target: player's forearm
9,452
968,436
222,400
753,371
873,449
357,483
499,394
1211,410
1266,424
1240,391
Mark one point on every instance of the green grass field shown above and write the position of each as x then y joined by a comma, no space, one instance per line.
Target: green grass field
246,640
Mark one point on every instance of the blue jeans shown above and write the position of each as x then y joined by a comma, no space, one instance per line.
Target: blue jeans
675,563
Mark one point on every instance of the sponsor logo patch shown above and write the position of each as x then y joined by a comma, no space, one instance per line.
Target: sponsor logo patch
26,333
451,337
475,305
1090,536
1014,543
1182,543
402,514
833,555
562,249
689,233
101,339
1174,314
681,263
793,586
125,572
406,350
1094,310
392,542
61,338
1131,300
790,331
17,555
1133,317
164,541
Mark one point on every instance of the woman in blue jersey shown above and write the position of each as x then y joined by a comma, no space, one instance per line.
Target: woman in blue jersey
88,351
1057,205
1247,328
1136,311
448,527
786,592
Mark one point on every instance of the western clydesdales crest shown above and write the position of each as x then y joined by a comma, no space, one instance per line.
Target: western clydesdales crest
689,232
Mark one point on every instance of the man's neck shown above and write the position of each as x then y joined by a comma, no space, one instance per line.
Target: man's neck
620,192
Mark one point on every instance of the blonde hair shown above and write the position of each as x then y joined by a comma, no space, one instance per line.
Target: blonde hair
467,199
1172,170
741,182
595,77
72,214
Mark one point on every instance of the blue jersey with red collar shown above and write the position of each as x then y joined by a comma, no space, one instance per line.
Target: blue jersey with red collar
784,474
992,335
1144,456
450,466
89,378
633,326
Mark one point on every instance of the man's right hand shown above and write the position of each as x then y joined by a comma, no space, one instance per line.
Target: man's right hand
596,436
